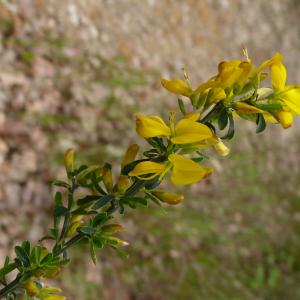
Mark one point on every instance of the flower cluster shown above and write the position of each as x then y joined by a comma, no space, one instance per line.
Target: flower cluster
177,149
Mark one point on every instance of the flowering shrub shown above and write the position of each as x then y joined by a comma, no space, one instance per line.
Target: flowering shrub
177,149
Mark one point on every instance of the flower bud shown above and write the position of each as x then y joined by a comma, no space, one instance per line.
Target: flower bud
123,183
117,242
107,177
69,160
75,223
177,86
130,154
169,198
221,148
246,108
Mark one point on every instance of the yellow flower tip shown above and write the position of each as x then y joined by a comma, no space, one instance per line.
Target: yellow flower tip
117,241
169,198
151,126
75,223
69,160
147,170
285,118
246,108
177,86
130,154
31,288
222,148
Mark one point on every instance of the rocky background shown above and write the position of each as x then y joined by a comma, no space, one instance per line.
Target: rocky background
74,73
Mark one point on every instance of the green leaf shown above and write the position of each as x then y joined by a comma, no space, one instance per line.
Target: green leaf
93,253
223,120
87,230
230,132
88,199
36,254
100,219
22,256
60,211
261,123
58,199
181,106
103,201
7,269
269,106
197,159
26,246
54,233
47,259
60,183
136,200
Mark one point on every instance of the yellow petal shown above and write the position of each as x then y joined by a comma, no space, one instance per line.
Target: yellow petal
54,297
69,160
292,100
188,132
169,198
246,108
151,126
193,116
278,75
177,86
130,154
269,118
185,171
123,183
150,168
277,57
217,95
31,288
285,118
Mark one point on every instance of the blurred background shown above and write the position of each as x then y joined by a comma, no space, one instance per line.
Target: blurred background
75,72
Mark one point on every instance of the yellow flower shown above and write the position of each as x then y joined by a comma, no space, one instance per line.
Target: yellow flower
289,95
69,160
177,86
186,131
54,297
184,170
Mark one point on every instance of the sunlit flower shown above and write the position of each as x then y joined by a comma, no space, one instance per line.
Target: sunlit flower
186,131
169,198
177,86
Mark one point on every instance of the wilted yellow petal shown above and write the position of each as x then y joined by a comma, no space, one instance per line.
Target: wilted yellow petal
112,228
222,148
188,132
151,126
123,183
107,177
31,288
292,100
169,198
185,171
177,86
246,108
150,168
269,118
130,154
285,118
278,75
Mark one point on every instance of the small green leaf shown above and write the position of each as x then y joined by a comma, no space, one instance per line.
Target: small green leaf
269,106
261,123
88,199
223,120
60,211
103,201
230,132
26,246
36,254
7,269
47,259
60,183
58,199
181,106
22,256
87,230
100,219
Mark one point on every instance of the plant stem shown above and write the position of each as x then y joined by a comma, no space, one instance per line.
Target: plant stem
68,244
10,287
